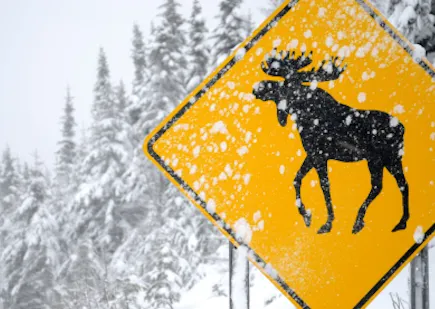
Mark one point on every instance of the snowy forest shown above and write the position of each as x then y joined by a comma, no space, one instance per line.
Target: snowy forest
104,228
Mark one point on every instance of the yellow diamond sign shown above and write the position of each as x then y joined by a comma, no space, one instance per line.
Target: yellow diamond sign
313,146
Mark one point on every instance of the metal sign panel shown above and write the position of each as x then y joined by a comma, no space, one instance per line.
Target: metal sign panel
313,146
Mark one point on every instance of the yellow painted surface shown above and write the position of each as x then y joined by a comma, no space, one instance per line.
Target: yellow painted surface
229,148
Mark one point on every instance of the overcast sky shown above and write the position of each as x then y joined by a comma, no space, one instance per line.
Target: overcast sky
49,44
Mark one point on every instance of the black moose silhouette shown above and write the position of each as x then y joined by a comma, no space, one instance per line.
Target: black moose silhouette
330,130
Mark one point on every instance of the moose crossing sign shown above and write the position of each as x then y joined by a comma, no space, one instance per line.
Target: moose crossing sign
313,146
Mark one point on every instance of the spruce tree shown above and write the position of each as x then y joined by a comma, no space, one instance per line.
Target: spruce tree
81,277
229,32
249,24
134,199
10,197
32,255
104,164
272,5
66,153
141,77
82,153
167,256
198,49
167,89
167,56
413,20
9,184
121,99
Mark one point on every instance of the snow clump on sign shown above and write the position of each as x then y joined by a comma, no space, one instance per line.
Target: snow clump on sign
321,12
418,53
243,231
329,41
293,44
257,216
394,122
271,271
196,151
276,43
419,235
240,54
399,109
242,150
282,105
361,97
219,127
211,206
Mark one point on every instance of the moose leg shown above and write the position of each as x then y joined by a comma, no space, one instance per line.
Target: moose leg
322,171
376,169
303,171
396,169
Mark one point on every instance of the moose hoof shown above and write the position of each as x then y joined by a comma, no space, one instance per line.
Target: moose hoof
326,228
400,226
359,224
307,218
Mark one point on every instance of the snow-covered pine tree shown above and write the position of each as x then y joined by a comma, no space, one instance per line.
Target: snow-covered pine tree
81,154
10,197
10,182
381,5
32,254
136,199
198,50
272,5
141,77
66,154
121,100
81,277
413,19
135,177
26,177
230,30
167,261
249,24
168,65
65,177
160,87
106,161
168,87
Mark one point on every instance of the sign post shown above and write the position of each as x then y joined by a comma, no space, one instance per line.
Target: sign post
312,149
420,280
239,278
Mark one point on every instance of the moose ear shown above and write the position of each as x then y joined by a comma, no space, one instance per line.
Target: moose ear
282,117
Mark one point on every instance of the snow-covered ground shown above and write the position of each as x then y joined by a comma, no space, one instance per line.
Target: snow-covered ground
264,295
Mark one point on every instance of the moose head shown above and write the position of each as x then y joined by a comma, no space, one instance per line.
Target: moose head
287,65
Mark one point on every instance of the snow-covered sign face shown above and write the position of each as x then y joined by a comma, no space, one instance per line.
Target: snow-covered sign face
323,93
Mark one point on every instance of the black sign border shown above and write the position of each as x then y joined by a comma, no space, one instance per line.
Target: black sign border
218,220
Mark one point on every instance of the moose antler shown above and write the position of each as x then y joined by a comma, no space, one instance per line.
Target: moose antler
285,63
328,70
